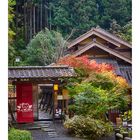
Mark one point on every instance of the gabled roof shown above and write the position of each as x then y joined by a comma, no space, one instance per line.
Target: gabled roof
103,47
103,34
24,72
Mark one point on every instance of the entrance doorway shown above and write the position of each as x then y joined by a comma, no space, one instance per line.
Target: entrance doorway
24,81
45,101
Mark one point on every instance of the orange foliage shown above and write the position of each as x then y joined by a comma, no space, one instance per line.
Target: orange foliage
85,63
122,82
91,67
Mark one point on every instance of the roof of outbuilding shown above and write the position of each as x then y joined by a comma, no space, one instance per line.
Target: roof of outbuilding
24,72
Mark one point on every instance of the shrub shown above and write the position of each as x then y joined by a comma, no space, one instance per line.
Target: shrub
124,129
15,134
87,127
95,102
127,115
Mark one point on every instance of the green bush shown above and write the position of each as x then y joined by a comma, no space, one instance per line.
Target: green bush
95,102
87,127
124,129
15,134
127,116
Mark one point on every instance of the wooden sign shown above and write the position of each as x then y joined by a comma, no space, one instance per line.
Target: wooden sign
65,93
59,97
118,121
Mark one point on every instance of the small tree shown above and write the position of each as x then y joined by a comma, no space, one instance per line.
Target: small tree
96,89
45,48
94,101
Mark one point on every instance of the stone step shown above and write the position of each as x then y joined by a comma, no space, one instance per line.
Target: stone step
52,132
52,135
43,122
48,129
33,128
44,125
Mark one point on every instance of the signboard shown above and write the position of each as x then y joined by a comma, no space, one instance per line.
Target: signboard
65,94
24,102
59,97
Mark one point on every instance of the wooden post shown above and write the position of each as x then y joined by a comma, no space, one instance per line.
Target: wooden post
35,100
55,103
65,99
67,107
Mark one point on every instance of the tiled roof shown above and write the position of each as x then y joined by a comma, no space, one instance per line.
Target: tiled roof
102,33
112,36
103,47
23,72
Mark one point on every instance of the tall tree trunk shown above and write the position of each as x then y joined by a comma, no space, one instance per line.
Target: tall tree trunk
41,15
16,15
46,16
25,22
30,20
50,17
38,18
34,19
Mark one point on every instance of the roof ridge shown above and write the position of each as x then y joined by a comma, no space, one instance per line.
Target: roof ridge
97,43
81,36
37,67
111,35
103,32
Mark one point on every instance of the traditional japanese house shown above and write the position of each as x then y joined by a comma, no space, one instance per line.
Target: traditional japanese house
104,47
37,89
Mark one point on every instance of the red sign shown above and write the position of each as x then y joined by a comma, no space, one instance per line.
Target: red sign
24,102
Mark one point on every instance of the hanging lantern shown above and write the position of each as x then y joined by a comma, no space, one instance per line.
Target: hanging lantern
55,87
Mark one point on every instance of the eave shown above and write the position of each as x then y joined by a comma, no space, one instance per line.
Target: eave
103,47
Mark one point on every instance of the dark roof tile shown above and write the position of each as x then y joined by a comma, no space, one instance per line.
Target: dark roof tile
40,72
